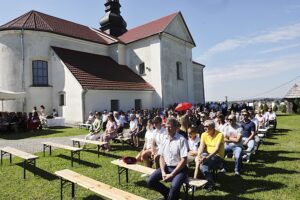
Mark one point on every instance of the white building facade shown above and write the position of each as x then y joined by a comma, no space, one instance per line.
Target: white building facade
157,66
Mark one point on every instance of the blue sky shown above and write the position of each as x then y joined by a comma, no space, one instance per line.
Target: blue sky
249,47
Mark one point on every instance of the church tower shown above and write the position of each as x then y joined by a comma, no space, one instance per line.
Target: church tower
112,22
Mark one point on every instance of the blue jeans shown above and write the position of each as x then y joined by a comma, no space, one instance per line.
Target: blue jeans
177,181
212,163
237,153
250,144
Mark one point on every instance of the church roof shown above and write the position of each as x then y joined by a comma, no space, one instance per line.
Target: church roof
293,93
97,72
37,21
148,29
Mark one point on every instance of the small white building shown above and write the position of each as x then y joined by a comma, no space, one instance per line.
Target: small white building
76,69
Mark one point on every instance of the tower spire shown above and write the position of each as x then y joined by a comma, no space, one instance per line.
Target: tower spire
112,22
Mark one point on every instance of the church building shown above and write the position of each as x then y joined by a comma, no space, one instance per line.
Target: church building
76,69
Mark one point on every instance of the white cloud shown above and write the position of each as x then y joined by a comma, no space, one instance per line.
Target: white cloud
280,34
276,49
251,69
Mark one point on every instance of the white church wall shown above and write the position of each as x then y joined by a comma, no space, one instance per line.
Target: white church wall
198,84
177,28
37,46
147,51
100,100
11,67
172,51
64,83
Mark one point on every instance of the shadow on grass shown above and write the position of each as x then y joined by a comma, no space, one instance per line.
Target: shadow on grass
93,197
82,162
269,143
263,171
274,156
30,134
245,186
105,154
39,172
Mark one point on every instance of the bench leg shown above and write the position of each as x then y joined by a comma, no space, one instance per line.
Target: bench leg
98,148
72,158
61,188
73,190
50,147
24,168
120,171
10,160
1,156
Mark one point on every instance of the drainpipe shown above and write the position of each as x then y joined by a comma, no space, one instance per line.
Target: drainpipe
23,66
161,82
83,93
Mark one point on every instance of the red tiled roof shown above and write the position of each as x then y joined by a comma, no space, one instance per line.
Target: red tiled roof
37,21
149,29
100,72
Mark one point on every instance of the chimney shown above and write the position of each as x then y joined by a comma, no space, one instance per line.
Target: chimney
112,22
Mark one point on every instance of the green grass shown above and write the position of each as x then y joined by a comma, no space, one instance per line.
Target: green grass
273,174
44,133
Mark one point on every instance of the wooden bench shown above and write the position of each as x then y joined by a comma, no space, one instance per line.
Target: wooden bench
87,126
28,158
100,188
74,150
123,140
123,167
76,141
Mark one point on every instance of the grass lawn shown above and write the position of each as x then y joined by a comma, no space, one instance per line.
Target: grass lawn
273,174
45,133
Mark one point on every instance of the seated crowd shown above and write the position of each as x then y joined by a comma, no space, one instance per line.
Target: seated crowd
173,140
21,122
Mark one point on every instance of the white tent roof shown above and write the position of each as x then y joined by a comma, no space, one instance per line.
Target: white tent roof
9,95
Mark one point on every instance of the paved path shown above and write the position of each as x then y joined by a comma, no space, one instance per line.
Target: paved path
33,145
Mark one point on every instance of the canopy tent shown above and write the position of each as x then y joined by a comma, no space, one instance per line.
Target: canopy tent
9,95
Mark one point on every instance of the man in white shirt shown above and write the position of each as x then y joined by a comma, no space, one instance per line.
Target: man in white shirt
233,142
158,136
271,118
119,121
173,159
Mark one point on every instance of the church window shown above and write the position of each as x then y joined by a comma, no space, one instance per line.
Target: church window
137,104
62,100
114,105
179,71
142,69
40,73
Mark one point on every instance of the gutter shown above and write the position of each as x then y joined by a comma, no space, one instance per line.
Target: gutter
83,93
23,66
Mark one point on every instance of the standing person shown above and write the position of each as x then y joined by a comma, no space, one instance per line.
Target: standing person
248,134
233,142
96,127
210,153
104,119
173,159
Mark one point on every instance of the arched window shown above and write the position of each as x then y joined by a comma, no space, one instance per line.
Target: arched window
40,73
179,70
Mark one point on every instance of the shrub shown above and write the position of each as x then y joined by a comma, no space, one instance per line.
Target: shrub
282,108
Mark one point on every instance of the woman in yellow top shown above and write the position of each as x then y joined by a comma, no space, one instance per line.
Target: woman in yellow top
210,153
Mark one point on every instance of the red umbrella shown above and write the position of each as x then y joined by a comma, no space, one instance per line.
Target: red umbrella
183,106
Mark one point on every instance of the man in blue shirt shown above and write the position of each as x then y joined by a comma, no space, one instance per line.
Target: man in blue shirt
248,134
